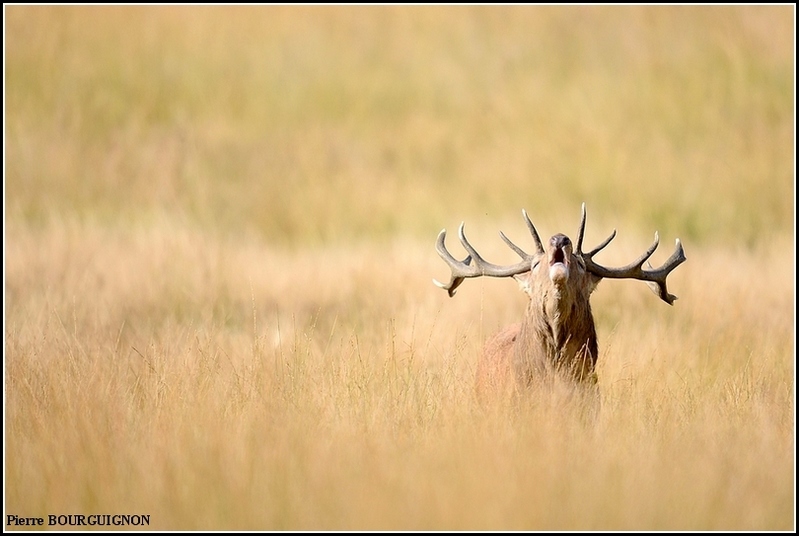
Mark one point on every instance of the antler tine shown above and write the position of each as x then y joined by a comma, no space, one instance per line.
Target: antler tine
639,262
581,236
581,231
654,277
601,246
463,269
658,286
455,265
519,251
533,232
478,260
531,228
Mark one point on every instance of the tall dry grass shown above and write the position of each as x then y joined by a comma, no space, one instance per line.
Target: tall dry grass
218,252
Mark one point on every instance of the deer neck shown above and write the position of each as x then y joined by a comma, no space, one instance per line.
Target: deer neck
556,331
559,307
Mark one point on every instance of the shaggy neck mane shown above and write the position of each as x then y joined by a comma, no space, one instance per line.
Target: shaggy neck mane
558,332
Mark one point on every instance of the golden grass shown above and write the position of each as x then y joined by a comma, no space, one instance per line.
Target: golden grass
218,253
385,120
228,384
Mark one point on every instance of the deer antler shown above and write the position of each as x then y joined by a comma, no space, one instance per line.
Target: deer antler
465,268
655,278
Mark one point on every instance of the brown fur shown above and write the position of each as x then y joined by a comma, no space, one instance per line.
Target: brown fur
494,368
556,339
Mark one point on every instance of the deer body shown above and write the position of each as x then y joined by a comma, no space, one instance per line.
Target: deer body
557,336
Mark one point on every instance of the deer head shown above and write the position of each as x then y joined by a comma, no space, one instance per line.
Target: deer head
558,329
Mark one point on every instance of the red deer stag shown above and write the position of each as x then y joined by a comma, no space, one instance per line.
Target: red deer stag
557,333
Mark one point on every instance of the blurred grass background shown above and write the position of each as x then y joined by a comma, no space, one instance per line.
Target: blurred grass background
219,228
310,124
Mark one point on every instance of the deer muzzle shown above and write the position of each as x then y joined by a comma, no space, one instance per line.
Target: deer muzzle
559,256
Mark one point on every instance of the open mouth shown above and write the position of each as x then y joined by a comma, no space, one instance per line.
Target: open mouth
558,266
557,257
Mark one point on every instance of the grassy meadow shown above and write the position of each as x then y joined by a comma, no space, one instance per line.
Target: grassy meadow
218,252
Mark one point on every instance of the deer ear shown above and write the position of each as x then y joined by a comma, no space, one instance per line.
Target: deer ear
524,282
593,281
